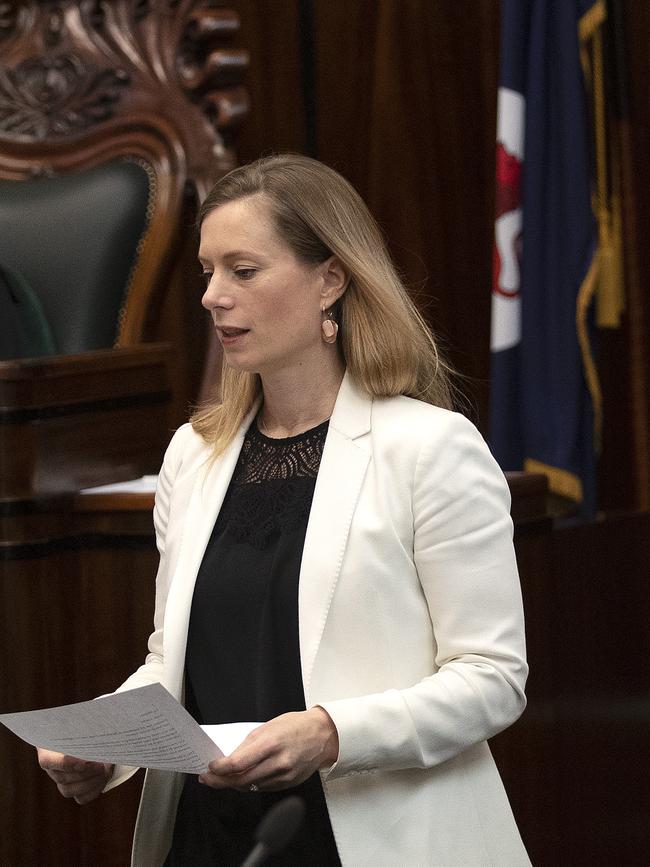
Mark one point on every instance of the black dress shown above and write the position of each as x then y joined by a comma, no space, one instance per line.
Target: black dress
243,656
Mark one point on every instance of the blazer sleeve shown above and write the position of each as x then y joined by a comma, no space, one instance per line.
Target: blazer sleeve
152,669
465,561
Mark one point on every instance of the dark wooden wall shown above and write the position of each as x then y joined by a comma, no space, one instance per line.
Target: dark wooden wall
53,656
575,764
400,97
625,352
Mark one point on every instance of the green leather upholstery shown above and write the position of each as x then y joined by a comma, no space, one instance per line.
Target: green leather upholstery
24,330
74,239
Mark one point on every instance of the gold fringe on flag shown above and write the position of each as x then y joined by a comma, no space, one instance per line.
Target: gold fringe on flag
610,296
584,302
560,481
604,281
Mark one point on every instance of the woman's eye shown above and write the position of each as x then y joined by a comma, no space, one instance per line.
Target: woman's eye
206,276
244,273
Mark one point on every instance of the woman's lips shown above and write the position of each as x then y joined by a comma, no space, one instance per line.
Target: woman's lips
230,335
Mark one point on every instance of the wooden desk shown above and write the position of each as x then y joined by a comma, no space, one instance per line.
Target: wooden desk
68,596
69,422
76,608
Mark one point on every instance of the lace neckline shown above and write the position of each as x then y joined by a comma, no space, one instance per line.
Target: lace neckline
265,459
307,434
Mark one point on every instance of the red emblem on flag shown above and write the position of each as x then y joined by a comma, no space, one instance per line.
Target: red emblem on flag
507,246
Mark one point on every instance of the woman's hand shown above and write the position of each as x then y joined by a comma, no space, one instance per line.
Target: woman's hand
279,754
75,778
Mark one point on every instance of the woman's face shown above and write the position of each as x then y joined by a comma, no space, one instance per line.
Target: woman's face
264,302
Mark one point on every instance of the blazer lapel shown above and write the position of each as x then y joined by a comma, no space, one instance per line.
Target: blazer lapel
209,490
342,469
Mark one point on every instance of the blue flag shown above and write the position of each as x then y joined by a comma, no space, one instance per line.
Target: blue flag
541,412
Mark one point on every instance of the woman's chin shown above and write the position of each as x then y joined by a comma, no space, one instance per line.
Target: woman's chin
238,362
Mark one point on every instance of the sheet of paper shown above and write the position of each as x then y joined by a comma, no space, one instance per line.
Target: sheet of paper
229,735
144,727
143,485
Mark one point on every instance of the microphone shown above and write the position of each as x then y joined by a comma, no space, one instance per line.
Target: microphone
276,829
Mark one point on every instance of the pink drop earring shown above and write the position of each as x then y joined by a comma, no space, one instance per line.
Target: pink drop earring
329,326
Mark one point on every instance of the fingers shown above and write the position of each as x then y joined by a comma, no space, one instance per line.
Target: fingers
281,753
265,775
243,759
84,790
75,778
61,767
236,771
256,748
51,761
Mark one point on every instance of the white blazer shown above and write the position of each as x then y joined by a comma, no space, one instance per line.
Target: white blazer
411,630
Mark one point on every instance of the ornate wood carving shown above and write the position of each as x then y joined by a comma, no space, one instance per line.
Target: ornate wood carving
8,16
70,65
46,97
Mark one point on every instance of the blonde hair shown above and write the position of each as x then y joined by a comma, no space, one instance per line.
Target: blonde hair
386,345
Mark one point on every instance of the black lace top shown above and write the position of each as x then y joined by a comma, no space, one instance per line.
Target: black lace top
243,654
272,486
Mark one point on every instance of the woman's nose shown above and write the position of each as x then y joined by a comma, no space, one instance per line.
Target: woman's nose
214,297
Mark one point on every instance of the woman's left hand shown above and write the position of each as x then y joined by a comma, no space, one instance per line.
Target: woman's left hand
279,754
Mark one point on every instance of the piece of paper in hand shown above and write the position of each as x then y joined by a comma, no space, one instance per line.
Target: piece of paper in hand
144,727
228,736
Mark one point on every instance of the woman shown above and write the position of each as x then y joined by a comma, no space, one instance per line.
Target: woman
336,559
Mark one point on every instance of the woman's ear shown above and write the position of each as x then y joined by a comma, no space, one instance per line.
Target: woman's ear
335,281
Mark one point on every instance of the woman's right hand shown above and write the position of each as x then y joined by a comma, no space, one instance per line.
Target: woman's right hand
75,778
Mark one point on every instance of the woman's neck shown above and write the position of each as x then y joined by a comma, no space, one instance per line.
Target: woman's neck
296,400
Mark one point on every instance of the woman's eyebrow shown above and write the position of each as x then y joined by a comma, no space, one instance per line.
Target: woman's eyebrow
231,254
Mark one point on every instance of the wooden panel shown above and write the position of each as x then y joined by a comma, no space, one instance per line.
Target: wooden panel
72,626
271,33
74,421
407,113
574,764
66,380
625,354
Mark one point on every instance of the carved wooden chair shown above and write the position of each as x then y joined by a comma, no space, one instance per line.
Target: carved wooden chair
115,117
